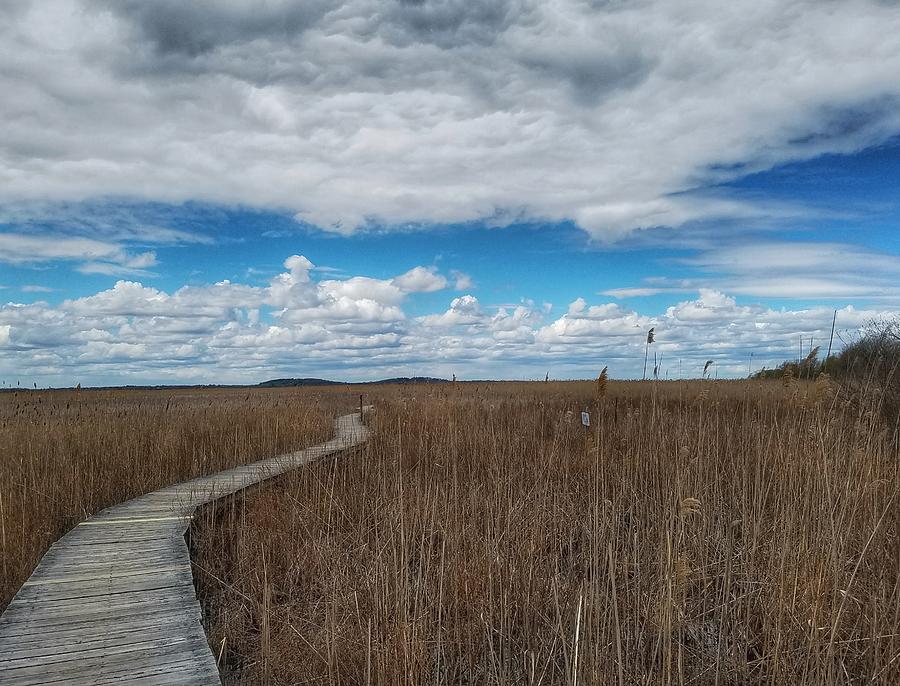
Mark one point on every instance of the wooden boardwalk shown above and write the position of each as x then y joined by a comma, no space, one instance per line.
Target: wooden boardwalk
112,602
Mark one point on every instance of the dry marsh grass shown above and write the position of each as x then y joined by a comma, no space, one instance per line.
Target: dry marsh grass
701,533
67,454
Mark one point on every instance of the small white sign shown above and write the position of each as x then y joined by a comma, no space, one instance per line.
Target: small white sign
586,418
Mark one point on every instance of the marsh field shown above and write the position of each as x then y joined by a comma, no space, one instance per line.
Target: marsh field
66,454
696,533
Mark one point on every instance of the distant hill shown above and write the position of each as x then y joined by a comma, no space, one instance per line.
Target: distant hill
279,383
410,379
275,383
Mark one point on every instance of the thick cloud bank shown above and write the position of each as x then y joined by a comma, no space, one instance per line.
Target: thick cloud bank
358,328
433,111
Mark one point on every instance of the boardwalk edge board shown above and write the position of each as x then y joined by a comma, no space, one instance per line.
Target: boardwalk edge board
103,608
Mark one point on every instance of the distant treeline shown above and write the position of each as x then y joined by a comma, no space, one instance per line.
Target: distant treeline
272,383
281,383
874,353
866,367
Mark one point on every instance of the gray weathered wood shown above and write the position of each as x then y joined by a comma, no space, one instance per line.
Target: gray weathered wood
113,600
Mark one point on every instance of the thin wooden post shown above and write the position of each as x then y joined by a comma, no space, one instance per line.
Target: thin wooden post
830,341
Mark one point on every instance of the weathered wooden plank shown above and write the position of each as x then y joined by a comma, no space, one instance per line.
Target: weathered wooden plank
120,662
131,614
106,535
31,610
112,587
120,632
113,600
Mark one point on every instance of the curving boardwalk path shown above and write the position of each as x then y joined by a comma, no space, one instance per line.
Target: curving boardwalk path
113,600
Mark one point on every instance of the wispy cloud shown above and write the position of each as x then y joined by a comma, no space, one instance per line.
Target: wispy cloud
636,292
795,257
462,281
132,266
16,248
96,257
789,269
115,220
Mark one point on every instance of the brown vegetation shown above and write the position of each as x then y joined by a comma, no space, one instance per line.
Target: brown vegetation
68,454
698,533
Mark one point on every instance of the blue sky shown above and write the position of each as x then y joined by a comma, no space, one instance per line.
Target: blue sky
462,205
